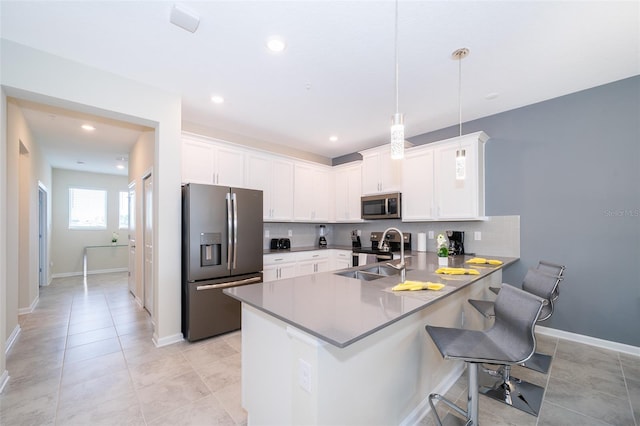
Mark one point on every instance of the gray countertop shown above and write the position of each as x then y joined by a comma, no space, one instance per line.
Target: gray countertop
341,310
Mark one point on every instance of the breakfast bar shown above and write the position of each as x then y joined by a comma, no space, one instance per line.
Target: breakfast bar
343,348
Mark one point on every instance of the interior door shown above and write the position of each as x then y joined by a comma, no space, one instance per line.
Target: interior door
132,238
148,243
42,237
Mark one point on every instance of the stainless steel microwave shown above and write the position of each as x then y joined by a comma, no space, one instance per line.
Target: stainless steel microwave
382,206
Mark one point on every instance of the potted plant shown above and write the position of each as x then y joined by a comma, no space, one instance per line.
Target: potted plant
442,250
114,238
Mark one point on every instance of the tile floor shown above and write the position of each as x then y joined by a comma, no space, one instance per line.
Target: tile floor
85,356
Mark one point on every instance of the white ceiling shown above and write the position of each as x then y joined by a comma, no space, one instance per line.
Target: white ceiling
336,76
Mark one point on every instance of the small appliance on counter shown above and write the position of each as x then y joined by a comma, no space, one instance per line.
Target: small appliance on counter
322,241
355,239
280,244
456,242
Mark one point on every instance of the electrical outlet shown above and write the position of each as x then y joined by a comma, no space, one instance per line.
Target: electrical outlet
359,232
431,237
266,233
477,235
290,233
304,375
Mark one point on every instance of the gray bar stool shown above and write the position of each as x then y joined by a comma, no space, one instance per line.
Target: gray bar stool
547,288
510,340
505,387
548,268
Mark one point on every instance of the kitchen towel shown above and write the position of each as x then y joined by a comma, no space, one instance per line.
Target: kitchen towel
422,241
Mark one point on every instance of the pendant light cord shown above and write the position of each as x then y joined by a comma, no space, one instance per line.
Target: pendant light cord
396,58
460,94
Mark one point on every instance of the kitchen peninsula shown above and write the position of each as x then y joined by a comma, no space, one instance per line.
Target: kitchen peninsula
332,349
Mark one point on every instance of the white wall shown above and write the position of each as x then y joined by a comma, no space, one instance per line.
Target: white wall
140,165
41,77
4,375
68,244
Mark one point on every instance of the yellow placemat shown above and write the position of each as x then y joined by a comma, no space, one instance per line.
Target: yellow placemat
483,261
456,271
418,285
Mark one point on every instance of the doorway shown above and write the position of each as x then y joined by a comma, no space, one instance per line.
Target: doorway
43,275
147,226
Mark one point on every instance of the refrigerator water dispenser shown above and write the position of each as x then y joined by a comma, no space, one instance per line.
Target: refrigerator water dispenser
210,248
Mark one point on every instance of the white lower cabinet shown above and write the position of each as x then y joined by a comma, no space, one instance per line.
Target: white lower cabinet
341,259
279,266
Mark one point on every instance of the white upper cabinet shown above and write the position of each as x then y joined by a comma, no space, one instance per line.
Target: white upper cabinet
208,161
432,188
460,197
417,185
311,193
380,173
274,176
347,189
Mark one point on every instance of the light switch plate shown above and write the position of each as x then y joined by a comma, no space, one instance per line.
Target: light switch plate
431,235
266,233
477,235
290,233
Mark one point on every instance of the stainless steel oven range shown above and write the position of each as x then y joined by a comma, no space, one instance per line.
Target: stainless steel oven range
380,251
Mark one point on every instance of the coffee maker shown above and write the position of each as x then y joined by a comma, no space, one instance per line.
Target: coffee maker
355,239
322,241
456,242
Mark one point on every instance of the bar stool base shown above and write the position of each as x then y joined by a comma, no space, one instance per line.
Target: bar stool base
517,393
539,362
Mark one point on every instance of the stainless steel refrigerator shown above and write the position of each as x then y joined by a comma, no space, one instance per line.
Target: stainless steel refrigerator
221,248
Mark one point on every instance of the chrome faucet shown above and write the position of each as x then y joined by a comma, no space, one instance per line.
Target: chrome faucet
401,267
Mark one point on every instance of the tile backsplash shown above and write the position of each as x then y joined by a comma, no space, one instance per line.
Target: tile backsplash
499,235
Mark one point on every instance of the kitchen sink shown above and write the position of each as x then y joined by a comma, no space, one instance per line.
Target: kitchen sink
360,275
369,274
382,270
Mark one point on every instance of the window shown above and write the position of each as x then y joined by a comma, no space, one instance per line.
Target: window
123,210
87,208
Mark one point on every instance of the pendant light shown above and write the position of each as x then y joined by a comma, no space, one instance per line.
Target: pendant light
459,55
397,119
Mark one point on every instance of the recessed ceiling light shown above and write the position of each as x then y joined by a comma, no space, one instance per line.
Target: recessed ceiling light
216,99
80,162
121,158
276,44
120,166
333,138
490,96
88,127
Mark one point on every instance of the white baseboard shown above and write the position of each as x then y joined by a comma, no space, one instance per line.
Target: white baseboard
442,388
24,311
588,340
165,341
93,272
4,379
12,338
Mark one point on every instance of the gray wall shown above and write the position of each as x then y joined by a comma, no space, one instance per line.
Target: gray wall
570,167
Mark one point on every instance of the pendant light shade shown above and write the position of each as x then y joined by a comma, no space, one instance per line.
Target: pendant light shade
397,136
397,119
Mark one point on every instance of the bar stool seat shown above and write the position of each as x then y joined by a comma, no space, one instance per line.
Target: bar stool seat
510,340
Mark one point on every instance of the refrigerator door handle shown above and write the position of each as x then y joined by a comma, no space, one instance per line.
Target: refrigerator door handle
234,201
230,284
229,230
